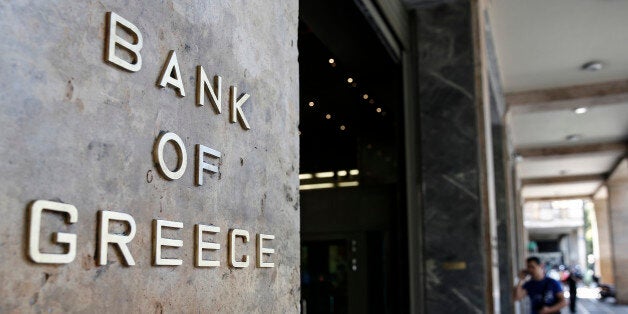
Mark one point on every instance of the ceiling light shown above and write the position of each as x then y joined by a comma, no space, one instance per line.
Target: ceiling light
518,157
354,84
350,80
342,128
328,116
326,174
316,186
331,61
365,96
592,66
378,110
573,137
371,101
311,104
347,184
580,110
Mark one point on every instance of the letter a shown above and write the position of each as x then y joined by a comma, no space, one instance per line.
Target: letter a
172,65
113,20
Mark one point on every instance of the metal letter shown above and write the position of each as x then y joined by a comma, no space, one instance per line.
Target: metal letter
166,74
232,255
158,155
59,237
201,245
261,250
201,151
121,240
113,20
202,84
236,108
159,242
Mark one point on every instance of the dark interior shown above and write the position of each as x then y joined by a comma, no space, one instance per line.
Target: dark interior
354,248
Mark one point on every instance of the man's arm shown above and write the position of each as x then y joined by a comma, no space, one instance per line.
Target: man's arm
556,307
518,292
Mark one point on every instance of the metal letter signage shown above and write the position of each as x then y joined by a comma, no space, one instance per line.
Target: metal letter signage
202,84
35,227
206,161
236,107
233,235
201,151
158,155
159,242
121,240
171,75
113,20
202,245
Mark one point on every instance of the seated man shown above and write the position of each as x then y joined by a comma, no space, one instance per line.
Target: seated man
546,294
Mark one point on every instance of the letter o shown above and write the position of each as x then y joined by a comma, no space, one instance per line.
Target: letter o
158,155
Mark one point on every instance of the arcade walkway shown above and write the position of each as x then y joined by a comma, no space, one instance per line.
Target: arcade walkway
587,303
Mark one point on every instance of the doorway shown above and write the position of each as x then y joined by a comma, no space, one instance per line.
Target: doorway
352,192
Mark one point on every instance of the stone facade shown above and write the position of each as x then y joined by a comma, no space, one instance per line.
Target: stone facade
618,218
604,267
78,130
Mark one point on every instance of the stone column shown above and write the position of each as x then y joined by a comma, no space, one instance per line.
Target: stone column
582,249
504,224
618,216
605,262
456,163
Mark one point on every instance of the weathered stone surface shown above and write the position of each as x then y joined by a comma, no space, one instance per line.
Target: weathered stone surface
605,263
78,130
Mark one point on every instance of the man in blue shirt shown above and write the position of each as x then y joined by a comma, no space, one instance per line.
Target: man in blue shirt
546,294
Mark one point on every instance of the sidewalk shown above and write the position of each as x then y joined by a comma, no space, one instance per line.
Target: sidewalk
588,303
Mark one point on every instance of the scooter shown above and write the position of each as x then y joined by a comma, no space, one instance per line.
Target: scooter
606,291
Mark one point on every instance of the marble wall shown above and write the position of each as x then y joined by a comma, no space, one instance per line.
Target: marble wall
454,235
504,231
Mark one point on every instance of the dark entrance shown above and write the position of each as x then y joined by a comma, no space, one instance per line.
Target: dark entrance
353,221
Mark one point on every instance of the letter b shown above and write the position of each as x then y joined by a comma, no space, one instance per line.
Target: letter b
113,40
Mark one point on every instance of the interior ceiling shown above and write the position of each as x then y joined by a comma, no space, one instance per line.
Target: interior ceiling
570,165
541,46
551,128
561,189
549,232
330,29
